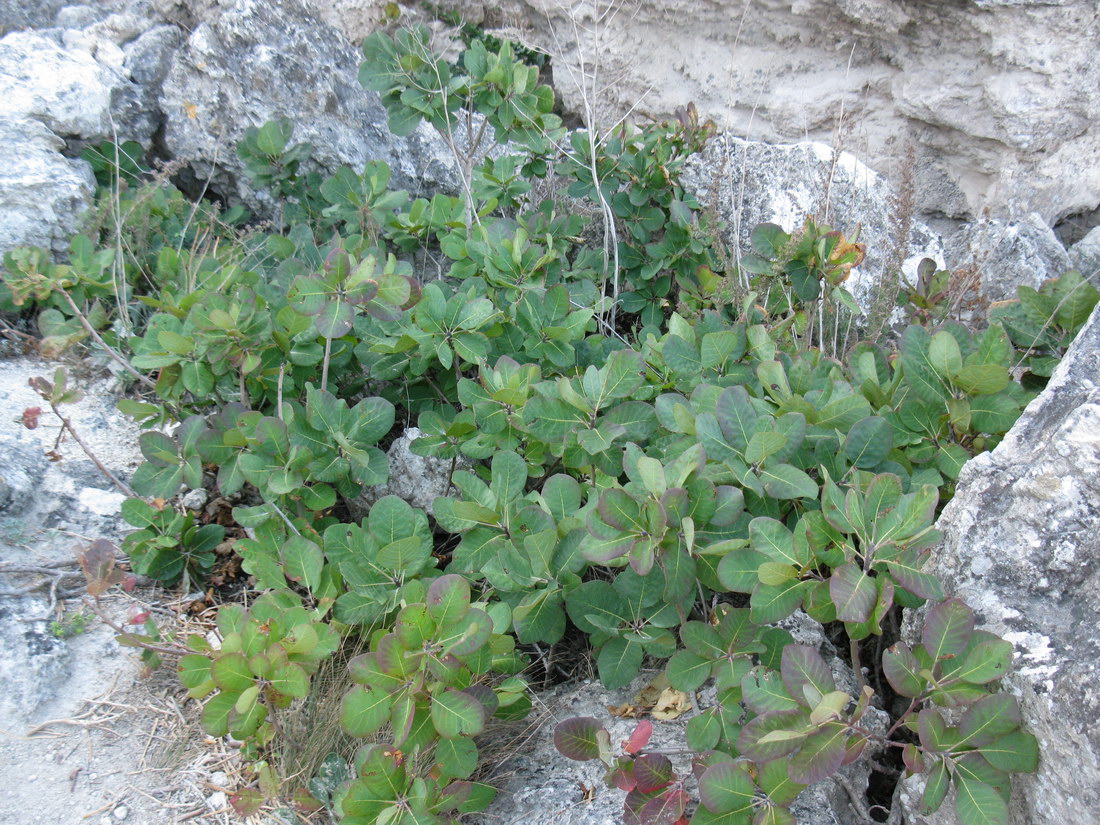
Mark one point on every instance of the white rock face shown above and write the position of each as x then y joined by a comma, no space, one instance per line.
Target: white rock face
68,90
998,97
749,182
1022,546
42,193
251,62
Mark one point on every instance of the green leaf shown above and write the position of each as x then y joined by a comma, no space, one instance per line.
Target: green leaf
455,713
193,670
363,711
785,482
987,661
944,354
458,757
618,662
919,372
821,755
989,718
687,671
625,373
1016,752
215,713
982,379
303,561
230,672
562,495
448,599
771,603
599,600
726,788
979,804
539,617
935,789
993,413
763,691
869,441
291,680
772,539
509,476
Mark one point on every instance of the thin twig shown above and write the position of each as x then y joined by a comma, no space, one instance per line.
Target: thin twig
122,486
122,362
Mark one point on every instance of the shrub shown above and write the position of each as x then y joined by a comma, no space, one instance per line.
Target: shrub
669,484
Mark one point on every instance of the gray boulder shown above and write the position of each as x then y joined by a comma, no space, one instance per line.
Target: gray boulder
43,194
1008,254
417,479
1085,254
749,182
69,90
255,61
27,14
1022,546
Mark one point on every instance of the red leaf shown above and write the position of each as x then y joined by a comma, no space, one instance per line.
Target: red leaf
246,802
640,737
30,417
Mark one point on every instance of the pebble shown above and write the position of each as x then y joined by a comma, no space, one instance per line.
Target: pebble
217,800
121,812
219,778
195,499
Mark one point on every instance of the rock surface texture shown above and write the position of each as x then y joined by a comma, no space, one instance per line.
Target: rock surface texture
255,61
747,183
1022,546
998,97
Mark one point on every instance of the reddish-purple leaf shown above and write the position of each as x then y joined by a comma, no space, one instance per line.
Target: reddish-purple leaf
902,671
653,772
805,675
97,560
664,809
947,629
246,801
576,738
726,789
30,417
913,758
931,729
821,755
749,744
853,592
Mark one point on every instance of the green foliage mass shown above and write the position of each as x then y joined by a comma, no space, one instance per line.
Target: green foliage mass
641,454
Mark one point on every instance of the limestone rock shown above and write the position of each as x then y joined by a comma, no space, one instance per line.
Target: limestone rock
1085,254
1008,254
254,61
27,14
1022,547
42,193
417,479
999,115
21,470
750,182
68,90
